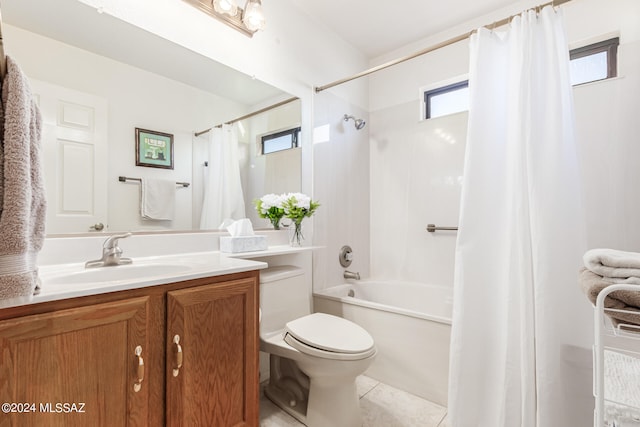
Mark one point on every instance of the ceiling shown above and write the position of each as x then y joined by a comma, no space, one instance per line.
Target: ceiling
376,27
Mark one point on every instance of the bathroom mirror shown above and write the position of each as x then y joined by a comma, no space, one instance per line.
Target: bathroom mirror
97,79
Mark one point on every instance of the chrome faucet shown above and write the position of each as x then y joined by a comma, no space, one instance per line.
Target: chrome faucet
111,253
351,275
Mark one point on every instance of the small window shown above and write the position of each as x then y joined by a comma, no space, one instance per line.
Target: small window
595,62
279,141
445,100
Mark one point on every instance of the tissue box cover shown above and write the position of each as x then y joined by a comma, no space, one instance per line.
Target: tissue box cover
243,243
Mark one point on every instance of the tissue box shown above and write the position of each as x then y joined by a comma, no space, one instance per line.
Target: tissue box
243,243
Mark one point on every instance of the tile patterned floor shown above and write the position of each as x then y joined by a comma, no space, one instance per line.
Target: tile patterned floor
382,406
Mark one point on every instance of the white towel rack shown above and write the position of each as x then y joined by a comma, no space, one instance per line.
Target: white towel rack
616,367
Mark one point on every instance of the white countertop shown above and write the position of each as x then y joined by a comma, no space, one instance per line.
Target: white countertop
64,281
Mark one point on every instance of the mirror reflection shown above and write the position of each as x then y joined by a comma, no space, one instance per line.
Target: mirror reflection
253,157
98,79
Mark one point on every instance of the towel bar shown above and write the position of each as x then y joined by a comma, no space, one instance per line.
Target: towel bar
125,179
432,227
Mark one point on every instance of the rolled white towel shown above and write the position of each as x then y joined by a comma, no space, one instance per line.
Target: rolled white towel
613,265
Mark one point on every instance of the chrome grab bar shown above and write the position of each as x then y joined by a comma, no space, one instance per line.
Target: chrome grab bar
432,227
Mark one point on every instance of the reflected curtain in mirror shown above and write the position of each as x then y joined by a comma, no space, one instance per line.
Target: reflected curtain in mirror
223,196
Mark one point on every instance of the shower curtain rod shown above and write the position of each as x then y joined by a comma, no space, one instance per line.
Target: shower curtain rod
246,116
430,48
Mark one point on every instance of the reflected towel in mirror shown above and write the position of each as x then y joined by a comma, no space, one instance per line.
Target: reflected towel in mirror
157,199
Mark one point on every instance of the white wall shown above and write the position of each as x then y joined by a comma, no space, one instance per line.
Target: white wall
136,98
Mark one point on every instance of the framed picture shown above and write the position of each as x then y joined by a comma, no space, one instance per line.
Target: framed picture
154,149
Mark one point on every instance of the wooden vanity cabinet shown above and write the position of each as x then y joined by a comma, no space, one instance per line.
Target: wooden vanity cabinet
83,351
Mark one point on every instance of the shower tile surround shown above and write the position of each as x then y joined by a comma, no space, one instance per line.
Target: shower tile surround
341,184
381,406
418,168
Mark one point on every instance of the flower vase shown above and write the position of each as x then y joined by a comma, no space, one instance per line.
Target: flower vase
295,234
275,222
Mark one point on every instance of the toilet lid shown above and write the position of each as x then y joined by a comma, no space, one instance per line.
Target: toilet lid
330,333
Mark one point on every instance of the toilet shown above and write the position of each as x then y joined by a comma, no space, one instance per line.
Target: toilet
314,358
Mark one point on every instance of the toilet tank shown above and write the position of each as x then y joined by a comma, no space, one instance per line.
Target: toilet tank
285,295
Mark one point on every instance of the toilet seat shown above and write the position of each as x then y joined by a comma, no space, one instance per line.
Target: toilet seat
330,337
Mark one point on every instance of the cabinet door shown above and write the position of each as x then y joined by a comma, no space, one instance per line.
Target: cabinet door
75,367
216,329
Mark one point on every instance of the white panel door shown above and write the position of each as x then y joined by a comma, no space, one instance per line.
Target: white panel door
74,137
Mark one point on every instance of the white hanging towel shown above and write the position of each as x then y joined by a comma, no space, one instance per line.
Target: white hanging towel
157,199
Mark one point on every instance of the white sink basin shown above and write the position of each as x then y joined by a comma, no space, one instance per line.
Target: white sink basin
65,278
117,273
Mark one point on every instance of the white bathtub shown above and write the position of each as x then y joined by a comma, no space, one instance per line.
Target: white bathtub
411,326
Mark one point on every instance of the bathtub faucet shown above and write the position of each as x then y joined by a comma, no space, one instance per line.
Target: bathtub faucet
351,275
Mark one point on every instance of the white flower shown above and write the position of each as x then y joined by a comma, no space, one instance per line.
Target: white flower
302,201
271,200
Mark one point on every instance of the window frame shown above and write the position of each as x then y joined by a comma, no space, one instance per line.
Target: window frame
610,46
440,90
295,139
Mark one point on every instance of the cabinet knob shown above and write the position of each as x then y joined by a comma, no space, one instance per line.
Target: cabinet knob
140,374
176,369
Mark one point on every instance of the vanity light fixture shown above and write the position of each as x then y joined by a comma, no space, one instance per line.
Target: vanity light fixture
253,17
228,7
247,20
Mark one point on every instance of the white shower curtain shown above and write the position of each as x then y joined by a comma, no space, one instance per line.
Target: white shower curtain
518,313
223,196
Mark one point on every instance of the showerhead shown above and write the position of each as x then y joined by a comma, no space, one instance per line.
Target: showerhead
359,123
